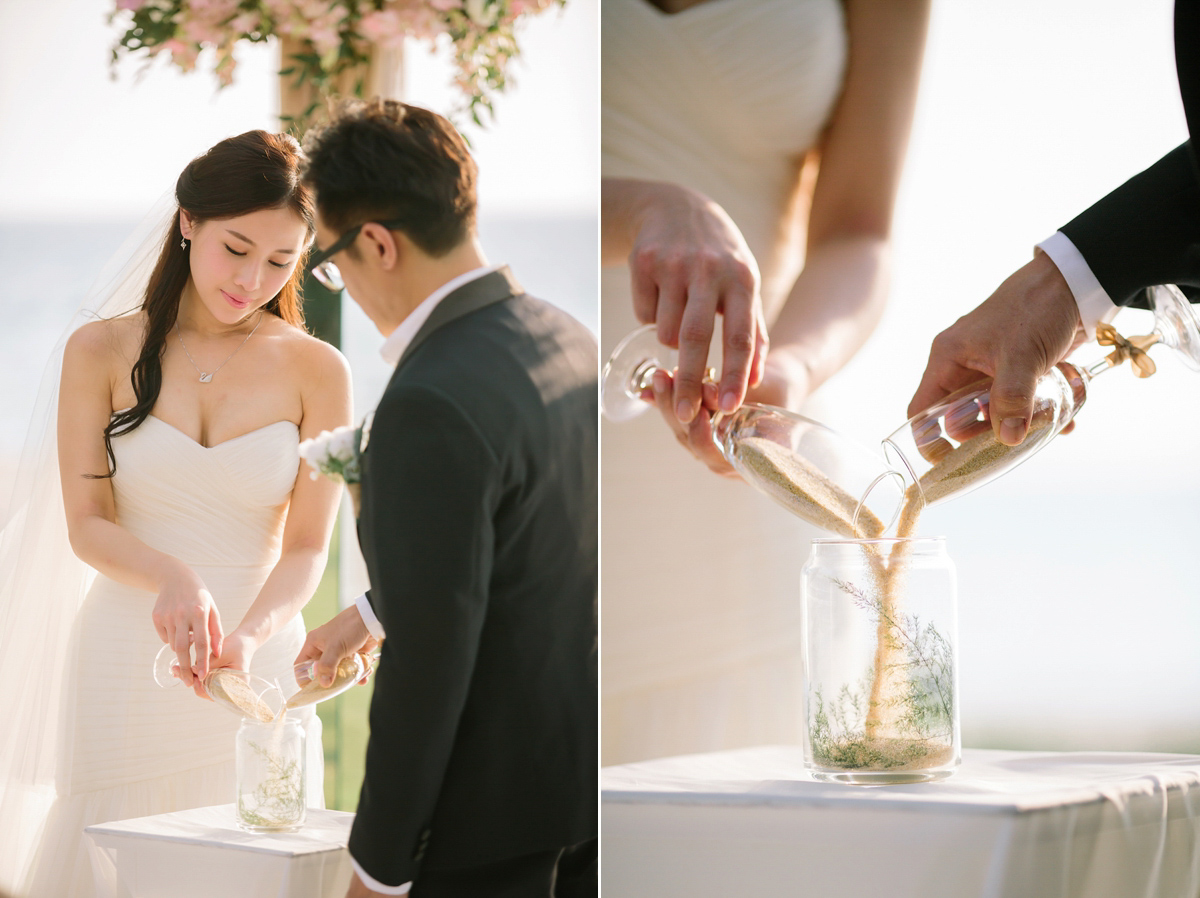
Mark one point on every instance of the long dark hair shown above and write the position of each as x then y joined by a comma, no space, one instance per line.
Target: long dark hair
253,171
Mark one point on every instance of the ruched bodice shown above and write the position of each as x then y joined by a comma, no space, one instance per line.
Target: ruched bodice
724,97
131,748
222,504
701,626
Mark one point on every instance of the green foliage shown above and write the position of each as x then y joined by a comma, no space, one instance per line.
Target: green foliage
278,800
837,731
336,40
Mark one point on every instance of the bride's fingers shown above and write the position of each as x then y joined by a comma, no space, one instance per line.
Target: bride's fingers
700,435
201,652
664,392
182,650
215,635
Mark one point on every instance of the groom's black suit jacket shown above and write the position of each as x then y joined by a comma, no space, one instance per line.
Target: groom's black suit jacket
1147,231
479,529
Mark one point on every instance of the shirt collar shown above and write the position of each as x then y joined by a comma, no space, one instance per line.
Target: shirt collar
394,346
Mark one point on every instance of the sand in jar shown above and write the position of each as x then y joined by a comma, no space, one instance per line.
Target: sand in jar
906,702
906,723
891,696
271,794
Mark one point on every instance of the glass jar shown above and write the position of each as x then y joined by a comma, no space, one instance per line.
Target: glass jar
271,775
880,661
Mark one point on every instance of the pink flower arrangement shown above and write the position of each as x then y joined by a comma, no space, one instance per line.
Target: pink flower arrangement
339,33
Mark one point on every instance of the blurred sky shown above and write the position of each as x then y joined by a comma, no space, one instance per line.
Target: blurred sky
77,145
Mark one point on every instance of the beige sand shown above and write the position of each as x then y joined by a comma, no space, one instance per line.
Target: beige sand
228,687
804,490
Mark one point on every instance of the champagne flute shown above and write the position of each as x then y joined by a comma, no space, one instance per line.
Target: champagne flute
812,471
350,670
949,449
241,692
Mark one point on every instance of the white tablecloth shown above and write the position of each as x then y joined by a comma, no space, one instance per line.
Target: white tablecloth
202,854
1005,825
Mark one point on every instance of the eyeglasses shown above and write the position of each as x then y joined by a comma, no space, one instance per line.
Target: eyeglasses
321,264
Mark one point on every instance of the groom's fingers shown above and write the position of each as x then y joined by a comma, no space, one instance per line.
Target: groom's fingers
327,666
309,651
1012,396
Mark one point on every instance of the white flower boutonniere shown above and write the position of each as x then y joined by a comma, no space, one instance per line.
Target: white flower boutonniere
338,455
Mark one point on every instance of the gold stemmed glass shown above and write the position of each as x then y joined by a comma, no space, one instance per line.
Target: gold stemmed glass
949,449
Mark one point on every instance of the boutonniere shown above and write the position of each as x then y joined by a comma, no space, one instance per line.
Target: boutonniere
337,454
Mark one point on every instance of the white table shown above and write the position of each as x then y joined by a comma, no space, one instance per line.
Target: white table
1006,825
202,854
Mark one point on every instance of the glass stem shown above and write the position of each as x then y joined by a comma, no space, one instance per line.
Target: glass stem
643,377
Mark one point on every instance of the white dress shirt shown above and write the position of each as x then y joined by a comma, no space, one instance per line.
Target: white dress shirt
1095,305
394,346
392,349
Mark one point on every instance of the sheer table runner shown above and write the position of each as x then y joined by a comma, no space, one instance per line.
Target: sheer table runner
201,853
1005,825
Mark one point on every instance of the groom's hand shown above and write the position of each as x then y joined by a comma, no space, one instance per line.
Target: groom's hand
1030,324
342,636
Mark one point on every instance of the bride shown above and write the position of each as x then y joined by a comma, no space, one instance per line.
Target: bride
751,153
179,414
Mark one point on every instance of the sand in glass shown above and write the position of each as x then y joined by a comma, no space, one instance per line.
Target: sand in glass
251,696
349,671
242,693
949,448
812,471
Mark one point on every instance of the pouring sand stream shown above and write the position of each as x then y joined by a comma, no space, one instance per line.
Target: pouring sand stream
810,494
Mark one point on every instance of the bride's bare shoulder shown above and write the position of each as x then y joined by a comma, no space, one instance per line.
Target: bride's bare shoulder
312,358
107,340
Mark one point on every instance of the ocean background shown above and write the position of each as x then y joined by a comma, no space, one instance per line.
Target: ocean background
50,267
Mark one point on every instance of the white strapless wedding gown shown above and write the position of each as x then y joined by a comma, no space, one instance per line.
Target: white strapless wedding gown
132,748
701,574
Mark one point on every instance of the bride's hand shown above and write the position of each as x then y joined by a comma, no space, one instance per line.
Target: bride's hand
689,263
237,650
185,614
695,436
784,384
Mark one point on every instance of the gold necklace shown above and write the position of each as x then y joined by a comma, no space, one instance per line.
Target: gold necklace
207,376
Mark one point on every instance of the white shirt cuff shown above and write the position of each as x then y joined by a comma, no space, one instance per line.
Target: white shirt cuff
375,885
1094,303
367,613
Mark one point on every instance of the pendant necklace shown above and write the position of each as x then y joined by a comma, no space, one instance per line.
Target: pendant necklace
207,376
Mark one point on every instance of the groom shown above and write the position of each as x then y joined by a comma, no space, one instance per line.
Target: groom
478,525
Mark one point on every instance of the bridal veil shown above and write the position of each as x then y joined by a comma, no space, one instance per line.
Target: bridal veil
42,583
